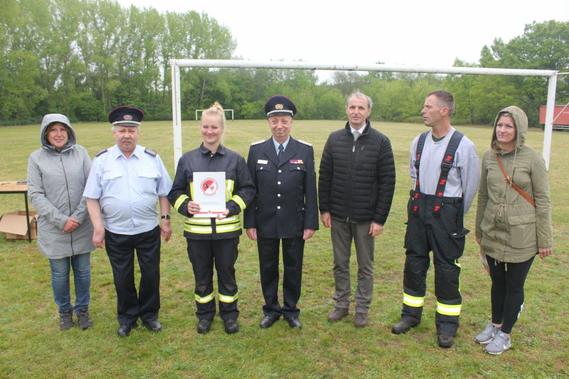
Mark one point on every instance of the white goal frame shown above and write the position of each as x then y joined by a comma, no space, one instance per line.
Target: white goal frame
230,110
176,64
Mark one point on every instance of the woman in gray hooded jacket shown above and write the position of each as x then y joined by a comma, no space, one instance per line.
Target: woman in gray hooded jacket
57,173
513,221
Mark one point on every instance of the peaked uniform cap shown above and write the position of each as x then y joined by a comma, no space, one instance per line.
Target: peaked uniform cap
126,116
280,105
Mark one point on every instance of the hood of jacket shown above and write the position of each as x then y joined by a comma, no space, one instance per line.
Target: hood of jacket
52,118
521,121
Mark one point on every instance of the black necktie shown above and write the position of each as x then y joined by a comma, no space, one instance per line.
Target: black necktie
280,154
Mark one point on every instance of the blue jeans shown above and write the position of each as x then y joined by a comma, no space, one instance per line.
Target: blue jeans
60,281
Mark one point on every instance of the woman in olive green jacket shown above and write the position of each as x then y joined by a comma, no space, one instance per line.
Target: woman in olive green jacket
512,225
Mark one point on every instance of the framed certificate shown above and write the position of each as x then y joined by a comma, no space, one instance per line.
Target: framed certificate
209,193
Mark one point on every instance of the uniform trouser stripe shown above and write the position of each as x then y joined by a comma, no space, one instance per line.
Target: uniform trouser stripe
204,299
413,301
426,233
449,309
228,299
205,255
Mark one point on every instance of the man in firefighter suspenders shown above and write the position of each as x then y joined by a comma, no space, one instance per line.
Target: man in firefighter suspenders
445,170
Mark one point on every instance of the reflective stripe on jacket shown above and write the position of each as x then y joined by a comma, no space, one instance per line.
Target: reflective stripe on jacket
239,191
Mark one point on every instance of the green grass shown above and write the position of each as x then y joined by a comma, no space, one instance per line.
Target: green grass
31,344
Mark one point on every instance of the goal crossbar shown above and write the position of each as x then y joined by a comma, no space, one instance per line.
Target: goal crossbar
176,64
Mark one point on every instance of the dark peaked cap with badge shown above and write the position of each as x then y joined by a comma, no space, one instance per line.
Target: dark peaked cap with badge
126,116
280,105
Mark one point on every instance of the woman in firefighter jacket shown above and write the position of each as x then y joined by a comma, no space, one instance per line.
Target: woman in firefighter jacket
213,240
513,222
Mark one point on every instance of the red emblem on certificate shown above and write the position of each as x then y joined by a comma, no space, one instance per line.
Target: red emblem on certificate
209,186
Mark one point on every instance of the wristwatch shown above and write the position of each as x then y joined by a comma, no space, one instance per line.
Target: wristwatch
165,217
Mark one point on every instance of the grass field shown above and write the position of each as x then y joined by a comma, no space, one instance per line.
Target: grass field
31,344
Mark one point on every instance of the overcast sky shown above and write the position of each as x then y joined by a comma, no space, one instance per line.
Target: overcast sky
423,33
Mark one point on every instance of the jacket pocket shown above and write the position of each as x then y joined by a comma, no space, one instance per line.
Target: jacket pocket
263,168
111,175
265,176
522,231
299,170
112,181
147,181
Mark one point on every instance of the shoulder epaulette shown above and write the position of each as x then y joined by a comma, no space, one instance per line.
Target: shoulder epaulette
304,142
101,152
150,152
257,142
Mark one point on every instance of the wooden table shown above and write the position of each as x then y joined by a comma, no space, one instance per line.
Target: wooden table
19,186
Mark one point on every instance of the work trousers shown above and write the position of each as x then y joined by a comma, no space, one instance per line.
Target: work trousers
293,252
204,254
443,234
507,291
120,249
342,235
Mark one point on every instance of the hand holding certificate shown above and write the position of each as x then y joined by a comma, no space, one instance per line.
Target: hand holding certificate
209,193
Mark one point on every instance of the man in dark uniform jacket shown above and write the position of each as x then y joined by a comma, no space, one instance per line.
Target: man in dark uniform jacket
285,209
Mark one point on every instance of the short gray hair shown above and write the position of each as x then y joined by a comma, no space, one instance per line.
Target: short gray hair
445,98
361,95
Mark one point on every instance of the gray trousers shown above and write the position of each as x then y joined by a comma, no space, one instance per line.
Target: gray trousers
342,234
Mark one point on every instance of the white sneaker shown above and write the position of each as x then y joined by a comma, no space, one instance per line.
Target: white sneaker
500,343
487,334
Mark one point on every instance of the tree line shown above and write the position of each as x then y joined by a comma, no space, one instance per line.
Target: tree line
82,58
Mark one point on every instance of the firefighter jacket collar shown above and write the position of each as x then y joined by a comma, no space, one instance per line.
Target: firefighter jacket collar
220,150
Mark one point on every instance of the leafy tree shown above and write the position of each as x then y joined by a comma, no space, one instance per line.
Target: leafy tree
82,57
542,46
20,91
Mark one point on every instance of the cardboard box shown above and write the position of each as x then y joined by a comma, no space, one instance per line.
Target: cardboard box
13,225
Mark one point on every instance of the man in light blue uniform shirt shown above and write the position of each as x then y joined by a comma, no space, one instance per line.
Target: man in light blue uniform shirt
124,184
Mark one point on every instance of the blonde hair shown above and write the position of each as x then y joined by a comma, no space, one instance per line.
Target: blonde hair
215,110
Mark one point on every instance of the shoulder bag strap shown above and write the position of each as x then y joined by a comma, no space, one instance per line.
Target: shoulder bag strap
511,183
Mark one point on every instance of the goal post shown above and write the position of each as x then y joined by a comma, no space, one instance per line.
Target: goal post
231,112
176,64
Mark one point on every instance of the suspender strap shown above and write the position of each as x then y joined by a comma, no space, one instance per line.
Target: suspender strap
511,183
418,152
446,165
415,194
